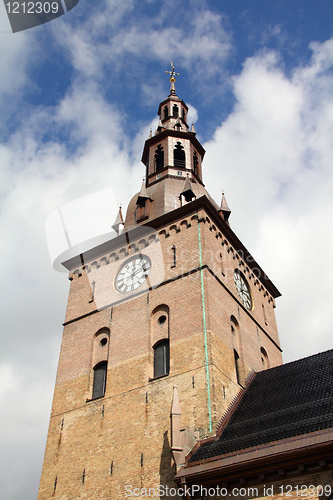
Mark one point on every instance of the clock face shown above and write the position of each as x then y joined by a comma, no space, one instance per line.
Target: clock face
132,274
243,289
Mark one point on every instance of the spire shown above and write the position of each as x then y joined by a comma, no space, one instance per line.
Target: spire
172,79
143,195
187,192
173,150
178,124
159,126
118,222
224,209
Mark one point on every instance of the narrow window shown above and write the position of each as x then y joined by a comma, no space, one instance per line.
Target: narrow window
166,113
175,111
195,162
179,156
237,365
99,380
159,158
264,313
173,248
161,358
222,265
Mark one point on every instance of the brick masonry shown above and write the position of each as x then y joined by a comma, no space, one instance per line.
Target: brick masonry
97,447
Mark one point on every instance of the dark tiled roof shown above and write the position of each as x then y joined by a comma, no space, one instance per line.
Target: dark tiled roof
285,401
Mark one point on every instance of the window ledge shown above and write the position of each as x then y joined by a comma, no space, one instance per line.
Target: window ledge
94,399
157,378
142,218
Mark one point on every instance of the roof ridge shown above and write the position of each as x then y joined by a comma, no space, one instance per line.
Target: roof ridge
234,403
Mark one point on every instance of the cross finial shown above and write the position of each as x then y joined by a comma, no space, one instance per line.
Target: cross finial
172,79
172,73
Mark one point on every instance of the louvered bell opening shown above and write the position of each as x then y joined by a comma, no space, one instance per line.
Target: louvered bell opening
99,380
161,359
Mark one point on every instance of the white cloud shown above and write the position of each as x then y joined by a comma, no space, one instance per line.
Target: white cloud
16,62
199,41
36,178
273,156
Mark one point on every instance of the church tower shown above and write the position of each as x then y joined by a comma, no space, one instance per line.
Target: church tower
164,324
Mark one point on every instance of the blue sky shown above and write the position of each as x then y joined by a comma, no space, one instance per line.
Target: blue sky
78,97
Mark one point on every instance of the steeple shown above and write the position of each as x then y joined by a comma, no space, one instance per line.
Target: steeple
173,159
173,151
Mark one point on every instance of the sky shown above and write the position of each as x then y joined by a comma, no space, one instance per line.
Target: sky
78,97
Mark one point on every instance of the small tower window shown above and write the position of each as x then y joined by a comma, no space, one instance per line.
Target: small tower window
264,359
166,112
236,358
161,358
162,319
179,156
195,162
264,313
159,158
173,248
175,111
99,380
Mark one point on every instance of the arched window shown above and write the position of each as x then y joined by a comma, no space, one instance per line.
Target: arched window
159,158
166,113
236,357
175,111
99,380
179,156
161,358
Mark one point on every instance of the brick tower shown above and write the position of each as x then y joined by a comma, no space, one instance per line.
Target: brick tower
163,325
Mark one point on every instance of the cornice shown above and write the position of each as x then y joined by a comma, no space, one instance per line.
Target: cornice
204,203
190,209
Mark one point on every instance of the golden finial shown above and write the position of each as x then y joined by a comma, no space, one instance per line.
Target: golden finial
172,73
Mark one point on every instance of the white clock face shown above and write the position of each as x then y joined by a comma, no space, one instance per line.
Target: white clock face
243,289
132,274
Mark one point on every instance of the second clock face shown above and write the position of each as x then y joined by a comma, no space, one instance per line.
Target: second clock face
132,274
243,289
